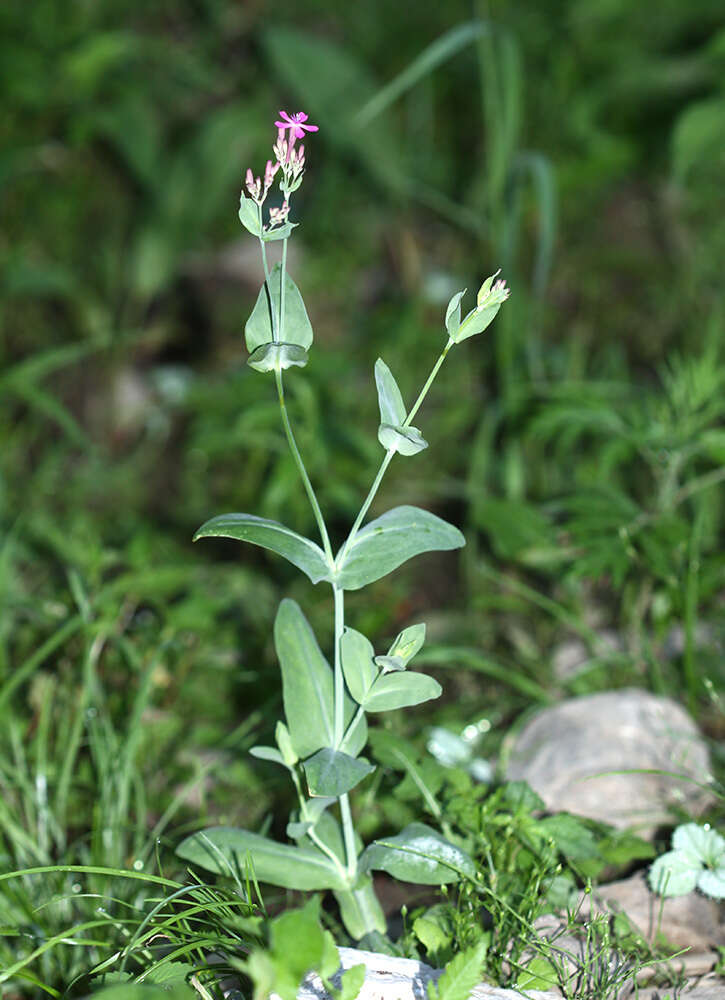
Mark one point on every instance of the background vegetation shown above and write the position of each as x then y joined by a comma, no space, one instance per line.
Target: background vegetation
579,144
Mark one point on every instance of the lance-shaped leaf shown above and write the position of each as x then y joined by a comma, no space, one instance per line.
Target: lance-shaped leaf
400,689
296,328
230,851
391,539
407,644
331,773
488,302
307,687
418,854
249,215
358,667
277,357
453,314
269,753
392,433
300,551
390,399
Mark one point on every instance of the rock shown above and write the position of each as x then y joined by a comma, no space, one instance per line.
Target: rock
690,921
710,987
567,753
389,978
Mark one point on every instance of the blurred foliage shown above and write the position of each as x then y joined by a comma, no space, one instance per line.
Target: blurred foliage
578,143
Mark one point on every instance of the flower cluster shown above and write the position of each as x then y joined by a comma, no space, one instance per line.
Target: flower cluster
492,293
289,158
254,184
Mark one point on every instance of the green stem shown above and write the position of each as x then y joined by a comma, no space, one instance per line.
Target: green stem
429,382
302,470
268,280
348,833
328,852
339,709
355,721
389,455
280,325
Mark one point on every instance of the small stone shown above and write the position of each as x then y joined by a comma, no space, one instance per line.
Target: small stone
391,978
690,921
568,753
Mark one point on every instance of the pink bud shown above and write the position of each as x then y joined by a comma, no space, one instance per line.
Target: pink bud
250,177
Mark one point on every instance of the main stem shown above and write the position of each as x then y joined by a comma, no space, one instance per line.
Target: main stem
348,830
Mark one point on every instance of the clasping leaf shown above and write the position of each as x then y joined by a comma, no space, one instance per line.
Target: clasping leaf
227,851
277,357
331,773
392,433
296,327
391,539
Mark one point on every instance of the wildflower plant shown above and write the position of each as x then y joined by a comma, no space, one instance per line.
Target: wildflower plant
321,740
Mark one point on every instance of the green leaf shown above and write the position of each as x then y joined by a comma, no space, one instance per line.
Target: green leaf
712,882
227,851
460,975
390,400
296,328
307,687
351,981
279,232
307,684
358,667
391,539
408,642
308,817
360,910
400,690
418,854
269,753
300,551
701,844
538,974
284,742
249,215
389,663
298,945
572,837
435,930
476,322
453,314
277,357
393,436
405,441
698,136
331,773
674,874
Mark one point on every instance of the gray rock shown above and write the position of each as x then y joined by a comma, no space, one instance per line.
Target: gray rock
389,978
690,921
567,753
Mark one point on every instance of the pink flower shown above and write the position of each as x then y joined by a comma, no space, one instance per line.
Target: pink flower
296,124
